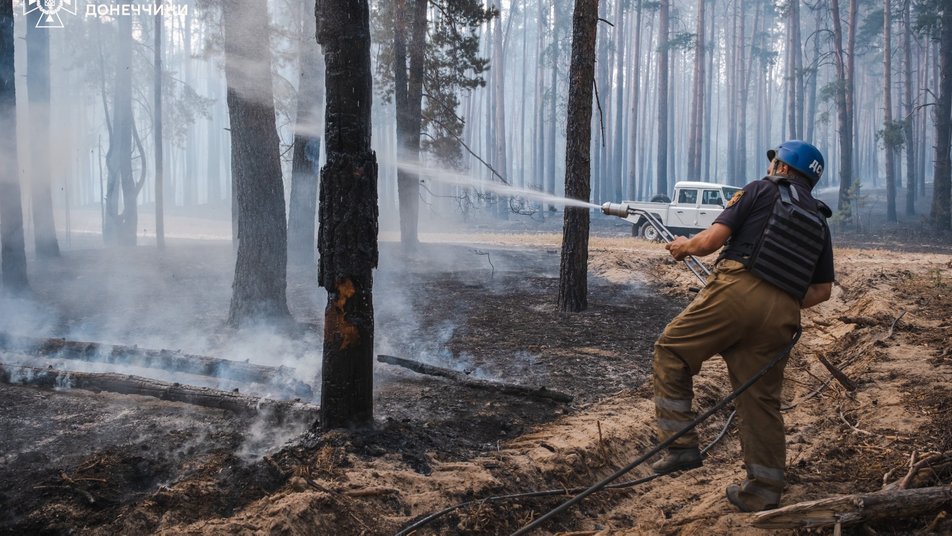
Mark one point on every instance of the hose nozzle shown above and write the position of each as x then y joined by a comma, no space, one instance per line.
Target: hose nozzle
616,209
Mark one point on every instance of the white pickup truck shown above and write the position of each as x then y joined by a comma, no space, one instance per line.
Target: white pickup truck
695,206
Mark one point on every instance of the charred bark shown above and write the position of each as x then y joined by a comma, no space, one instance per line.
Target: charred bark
347,236
305,166
38,96
260,284
12,244
573,271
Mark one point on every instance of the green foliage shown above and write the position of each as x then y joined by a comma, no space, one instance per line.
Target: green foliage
870,32
682,41
452,64
91,54
892,135
831,90
855,201
765,56
927,15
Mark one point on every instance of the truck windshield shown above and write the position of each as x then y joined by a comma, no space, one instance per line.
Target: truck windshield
729,192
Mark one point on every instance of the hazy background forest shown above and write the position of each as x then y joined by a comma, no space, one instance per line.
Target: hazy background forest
743,76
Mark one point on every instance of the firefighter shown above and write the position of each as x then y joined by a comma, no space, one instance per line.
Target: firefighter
778,260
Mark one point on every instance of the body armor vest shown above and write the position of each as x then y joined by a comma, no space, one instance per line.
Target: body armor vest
790,245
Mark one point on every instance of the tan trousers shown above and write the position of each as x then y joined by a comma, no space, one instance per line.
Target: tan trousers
747,321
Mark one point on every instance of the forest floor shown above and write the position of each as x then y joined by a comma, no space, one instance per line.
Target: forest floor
75,461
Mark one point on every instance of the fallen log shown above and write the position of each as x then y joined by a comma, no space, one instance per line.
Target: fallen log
463,379
859,508
49,378
168,360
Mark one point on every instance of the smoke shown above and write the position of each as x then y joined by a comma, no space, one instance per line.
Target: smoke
455,178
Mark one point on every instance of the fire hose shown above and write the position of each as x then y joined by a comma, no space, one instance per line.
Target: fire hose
606,483
622,210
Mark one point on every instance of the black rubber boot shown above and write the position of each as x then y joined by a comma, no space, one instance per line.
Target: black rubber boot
678,460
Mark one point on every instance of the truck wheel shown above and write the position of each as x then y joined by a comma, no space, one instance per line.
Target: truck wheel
649,233
660,198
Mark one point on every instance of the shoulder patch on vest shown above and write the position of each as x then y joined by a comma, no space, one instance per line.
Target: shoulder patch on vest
734,200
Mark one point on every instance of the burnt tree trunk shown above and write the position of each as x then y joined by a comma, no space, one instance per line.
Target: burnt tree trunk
38,95
942,177
347,237
305,165
260,284
12,246
573,271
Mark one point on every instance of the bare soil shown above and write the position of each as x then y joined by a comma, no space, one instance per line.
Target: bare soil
73,461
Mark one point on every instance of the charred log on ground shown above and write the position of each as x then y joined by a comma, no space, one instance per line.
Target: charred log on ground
50,378
463,379
282,377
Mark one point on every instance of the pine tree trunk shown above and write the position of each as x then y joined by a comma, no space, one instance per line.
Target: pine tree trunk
500,162
909,122
553,103
888,143
157,134
844,100
573,273
942,177
305,166
260,284
633,140
38,95
409,44
538,138
662,177
347,238
12,244
120,225
697,107
618,151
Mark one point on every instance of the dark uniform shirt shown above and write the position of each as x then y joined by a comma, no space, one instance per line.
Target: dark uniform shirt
747,216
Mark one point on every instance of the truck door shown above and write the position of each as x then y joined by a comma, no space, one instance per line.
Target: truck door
711,206
684,210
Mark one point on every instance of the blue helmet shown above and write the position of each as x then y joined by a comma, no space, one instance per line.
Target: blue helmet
802,157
